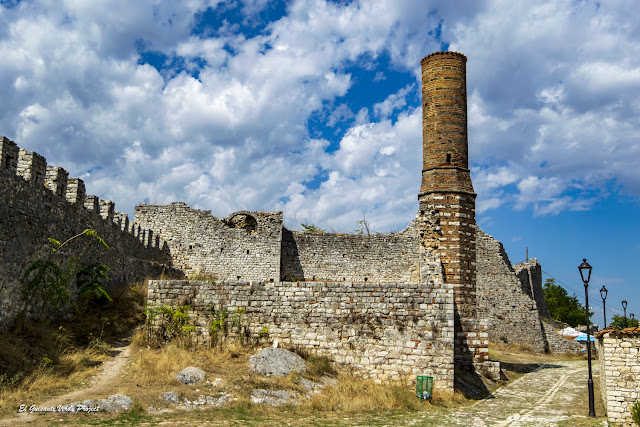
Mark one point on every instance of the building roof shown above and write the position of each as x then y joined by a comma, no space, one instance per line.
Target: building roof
618,332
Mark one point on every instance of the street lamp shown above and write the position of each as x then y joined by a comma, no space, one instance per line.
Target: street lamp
603,295
585,268
631,316
624,307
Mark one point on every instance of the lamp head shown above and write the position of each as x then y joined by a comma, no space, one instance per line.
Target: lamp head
603,293
585,269
624,304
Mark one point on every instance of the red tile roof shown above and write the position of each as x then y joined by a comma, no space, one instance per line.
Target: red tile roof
617,332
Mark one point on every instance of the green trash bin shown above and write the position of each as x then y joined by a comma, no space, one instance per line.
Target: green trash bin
424,387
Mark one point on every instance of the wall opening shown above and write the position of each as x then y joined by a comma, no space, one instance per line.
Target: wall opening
449,158
243,221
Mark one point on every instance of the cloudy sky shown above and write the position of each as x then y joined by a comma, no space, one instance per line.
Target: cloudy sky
312,107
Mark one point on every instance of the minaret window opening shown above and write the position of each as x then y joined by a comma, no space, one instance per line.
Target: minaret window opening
449,158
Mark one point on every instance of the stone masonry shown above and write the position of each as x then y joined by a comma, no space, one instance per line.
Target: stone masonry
530,275
36,203
244,246
385,331
513,314
619,359
447,194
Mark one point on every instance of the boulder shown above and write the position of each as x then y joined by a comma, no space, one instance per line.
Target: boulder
190,375
277,362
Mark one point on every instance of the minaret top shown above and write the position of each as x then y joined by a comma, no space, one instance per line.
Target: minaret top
444,124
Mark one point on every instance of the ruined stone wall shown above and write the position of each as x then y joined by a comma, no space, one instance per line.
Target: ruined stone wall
530,275
384,331
619,372
243,246
38,202
558,344
382,258
513,314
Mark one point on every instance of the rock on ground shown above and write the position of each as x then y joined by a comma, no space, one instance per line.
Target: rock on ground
171,396
190,375
270,397
276,361
114,403
205,400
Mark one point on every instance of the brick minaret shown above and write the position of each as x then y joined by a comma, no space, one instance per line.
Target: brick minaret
447,195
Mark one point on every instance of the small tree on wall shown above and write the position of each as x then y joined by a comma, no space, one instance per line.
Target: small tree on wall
47,280
310,228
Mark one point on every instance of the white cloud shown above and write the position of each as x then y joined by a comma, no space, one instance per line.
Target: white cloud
553,103
395,101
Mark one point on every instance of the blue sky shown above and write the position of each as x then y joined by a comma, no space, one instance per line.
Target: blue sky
313,107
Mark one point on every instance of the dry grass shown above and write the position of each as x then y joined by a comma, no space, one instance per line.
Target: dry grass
48,379
40,360
357,395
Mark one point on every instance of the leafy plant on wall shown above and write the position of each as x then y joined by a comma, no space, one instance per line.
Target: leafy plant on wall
47,279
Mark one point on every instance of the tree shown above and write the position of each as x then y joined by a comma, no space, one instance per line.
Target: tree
362,226
563,307
618,322
310,228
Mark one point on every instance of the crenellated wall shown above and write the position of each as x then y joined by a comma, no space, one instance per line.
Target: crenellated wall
383,330
38,202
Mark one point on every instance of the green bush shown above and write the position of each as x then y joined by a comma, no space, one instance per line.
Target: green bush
635,412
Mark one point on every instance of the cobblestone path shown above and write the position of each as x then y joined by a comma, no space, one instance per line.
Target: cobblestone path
549,396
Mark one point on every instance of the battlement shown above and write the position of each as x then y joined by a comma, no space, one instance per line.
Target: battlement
39,202
17,163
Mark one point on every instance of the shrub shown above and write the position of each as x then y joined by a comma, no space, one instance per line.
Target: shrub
635,412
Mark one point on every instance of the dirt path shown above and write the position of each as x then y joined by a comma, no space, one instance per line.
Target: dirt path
551,395
108,372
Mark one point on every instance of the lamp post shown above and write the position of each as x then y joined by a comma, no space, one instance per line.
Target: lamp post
585,268
631,316
624,307
603,295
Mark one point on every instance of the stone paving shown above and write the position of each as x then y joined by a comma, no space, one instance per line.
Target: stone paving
550,396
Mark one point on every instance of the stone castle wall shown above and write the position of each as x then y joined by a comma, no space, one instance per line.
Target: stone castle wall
224,248
38,202
383,330
530,275
384,258
512,313
243,246
619,372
